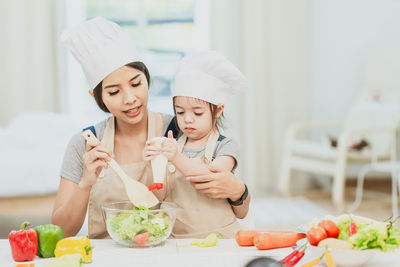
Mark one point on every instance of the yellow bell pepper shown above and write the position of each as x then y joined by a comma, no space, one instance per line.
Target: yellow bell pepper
74,245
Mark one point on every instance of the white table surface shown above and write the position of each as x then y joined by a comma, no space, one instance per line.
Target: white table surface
180,252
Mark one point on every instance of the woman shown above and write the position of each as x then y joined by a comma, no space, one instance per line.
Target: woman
120,86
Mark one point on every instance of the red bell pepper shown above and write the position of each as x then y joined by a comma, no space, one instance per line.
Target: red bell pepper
24,243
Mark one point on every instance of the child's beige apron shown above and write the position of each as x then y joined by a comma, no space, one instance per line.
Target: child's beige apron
198,215
109,187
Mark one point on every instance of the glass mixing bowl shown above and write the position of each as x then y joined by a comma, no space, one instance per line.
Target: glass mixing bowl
135,227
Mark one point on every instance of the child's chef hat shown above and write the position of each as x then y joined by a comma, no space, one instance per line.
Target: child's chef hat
101,47
208,76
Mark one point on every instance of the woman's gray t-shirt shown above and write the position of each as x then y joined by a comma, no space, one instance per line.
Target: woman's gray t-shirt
72,166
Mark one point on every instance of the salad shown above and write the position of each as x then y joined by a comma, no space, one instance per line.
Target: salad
363,233
142,227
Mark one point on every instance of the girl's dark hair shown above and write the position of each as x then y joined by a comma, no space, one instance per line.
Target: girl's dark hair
217,122
98,90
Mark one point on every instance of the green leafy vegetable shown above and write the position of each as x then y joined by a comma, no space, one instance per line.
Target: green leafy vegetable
210,241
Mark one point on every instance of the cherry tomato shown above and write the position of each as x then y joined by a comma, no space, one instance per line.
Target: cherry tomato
332,230
316,234
141,239
352,228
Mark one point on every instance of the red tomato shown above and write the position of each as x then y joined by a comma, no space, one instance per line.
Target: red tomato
141,239
330,227
316,234
352,228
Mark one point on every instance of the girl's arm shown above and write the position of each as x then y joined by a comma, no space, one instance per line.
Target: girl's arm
215,181
190,167
169,149
225,163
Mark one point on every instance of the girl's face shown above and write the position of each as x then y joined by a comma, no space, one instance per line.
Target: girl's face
125,94
193,116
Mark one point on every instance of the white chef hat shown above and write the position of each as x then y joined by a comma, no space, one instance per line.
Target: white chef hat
101,47
208,76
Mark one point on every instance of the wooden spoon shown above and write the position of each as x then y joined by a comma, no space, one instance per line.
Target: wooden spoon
137,192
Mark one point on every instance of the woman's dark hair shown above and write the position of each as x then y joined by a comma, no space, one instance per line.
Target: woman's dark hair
98,90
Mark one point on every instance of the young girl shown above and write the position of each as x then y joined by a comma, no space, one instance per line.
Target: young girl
202,85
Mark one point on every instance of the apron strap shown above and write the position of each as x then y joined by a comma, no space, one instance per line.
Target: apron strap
108,137
151,125
181,142
210,146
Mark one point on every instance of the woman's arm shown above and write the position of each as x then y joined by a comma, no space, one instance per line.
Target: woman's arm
226,164
72,198
222,184
70,207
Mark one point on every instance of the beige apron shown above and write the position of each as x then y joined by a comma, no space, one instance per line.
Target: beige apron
198,215
109,187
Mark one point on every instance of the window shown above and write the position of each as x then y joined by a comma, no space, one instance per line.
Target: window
163,32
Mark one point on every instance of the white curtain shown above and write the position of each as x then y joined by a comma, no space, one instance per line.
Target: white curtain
28,52
270,41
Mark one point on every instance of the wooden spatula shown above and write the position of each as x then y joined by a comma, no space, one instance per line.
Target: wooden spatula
137,192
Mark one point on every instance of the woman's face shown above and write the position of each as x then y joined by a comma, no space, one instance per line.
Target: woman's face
125,94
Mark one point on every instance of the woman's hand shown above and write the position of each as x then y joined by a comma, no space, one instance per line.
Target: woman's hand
170,147
94,160
218,184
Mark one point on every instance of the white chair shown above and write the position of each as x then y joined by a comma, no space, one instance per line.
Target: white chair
374,122
374,117
391,166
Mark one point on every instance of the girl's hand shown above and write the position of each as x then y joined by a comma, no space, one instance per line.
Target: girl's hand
170,147
94,160
150,151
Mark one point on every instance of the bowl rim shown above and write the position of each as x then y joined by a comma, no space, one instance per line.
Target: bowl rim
106,206
304,240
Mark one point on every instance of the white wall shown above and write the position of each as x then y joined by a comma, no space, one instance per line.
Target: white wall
28,58
345,33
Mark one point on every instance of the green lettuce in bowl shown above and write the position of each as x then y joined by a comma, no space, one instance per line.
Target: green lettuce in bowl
371,234
139,226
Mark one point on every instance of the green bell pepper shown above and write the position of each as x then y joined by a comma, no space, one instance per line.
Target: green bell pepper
48,236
